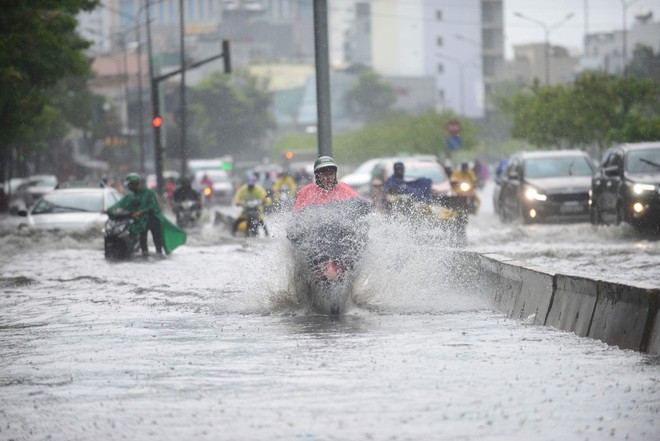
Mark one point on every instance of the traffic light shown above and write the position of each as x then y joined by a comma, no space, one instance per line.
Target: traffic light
157,121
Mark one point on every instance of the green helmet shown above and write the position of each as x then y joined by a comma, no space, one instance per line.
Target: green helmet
323,162
132,178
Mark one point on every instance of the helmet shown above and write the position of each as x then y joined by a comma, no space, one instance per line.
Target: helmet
132,178
398,165
323,162
251,180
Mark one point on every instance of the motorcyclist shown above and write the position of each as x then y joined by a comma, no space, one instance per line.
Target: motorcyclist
419,189
185,192
325,187
250,191
142,204
284,180
465,175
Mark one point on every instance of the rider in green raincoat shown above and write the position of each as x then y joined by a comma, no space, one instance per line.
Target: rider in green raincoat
142,204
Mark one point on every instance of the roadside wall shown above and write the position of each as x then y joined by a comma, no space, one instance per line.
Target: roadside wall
622,315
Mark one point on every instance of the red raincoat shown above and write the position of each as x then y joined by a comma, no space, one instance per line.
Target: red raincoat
312,194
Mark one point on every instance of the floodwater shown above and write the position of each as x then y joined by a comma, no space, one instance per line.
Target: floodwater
212,344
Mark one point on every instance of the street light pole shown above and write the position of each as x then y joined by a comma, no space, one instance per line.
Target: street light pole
184,159
155,105
547,29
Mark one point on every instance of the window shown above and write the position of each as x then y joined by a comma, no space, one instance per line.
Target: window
441,68
439,40
438,15
441,94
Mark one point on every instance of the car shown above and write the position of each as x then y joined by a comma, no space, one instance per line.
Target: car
626,187
223,187
360,178
25,192
72,209
545,185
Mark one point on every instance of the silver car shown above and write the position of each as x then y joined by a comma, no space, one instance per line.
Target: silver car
72,209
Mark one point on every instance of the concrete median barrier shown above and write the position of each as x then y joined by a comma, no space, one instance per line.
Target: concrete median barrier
617,314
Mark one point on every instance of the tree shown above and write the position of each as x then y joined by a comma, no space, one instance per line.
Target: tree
38,47
232,114
371,98
598,109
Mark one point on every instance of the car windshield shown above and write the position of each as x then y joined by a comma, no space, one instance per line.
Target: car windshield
43,181
69,202
436,175
643,161
558,167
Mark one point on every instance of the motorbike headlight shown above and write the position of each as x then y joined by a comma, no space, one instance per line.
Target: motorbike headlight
465,186
641,188
533,195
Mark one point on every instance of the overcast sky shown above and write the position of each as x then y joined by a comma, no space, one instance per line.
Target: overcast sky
603,16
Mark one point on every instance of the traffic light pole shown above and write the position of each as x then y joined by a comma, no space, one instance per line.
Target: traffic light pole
155,104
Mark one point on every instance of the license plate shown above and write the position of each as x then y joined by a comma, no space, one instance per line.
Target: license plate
571,207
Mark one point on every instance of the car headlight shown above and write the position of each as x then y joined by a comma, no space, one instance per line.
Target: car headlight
641,188
533,195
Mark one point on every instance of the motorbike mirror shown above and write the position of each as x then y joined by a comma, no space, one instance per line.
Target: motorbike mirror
513,175
22,213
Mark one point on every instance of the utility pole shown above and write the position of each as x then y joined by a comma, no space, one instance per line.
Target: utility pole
324,117
184,156
155,109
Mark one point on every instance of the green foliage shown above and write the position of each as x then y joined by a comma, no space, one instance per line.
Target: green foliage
38,47
414,134
597,109
231,113
371,98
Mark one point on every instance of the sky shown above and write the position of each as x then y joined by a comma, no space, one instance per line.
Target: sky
603,16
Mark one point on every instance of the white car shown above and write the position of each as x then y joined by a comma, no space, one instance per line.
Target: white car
223,187
72,209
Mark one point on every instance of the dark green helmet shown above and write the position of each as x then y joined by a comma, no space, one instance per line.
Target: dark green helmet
132,178
323,162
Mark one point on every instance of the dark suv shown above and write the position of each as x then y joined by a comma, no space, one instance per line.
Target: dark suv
626,188
551,186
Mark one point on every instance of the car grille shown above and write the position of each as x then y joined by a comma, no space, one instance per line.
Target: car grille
565,197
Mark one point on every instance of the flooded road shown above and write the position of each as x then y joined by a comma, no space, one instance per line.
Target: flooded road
211,343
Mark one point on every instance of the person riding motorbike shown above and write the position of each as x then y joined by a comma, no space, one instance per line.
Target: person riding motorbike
284,183
250,191
329,218
143,206
325,188
185,192
465,180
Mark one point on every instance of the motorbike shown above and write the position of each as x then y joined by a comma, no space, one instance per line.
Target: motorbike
187,213
118,243
466,191
445,214
328,244
251,218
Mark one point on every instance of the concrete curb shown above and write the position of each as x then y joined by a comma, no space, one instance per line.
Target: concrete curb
621,315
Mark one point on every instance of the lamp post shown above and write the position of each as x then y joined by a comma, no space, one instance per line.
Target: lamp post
624,6
547,29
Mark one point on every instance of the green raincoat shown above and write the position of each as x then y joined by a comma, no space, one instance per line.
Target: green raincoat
146,201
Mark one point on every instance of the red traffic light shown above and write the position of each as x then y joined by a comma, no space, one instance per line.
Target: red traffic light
157,121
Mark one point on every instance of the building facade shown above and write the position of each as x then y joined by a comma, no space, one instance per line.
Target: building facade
460,44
